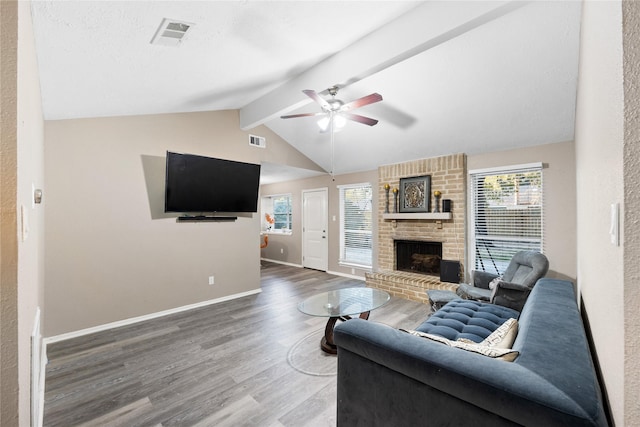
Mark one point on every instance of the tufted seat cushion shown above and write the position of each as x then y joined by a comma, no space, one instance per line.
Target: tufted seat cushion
473,320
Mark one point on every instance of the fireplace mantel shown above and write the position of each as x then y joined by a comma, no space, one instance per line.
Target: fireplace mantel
417,215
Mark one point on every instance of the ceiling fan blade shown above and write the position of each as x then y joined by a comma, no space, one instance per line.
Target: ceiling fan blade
361,102
313,95
293,116
360,119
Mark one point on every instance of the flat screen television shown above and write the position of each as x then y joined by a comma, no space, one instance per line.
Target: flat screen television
206,184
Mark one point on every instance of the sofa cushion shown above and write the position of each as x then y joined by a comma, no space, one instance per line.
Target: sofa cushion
473,320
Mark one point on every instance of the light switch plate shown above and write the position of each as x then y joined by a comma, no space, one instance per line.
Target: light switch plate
614,230
24,220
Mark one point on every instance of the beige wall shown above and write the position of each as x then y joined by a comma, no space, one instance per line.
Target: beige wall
9,362
112,253
292,245
607,172
21,258
559,199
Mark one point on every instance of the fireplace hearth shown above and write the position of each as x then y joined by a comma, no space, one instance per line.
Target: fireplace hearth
417,256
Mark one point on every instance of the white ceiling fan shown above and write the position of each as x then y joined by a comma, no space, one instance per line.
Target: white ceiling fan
335,108
335,112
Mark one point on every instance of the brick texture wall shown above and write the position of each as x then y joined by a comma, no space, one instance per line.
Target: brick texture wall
448,175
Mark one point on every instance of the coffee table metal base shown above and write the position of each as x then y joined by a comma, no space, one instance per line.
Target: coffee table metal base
326,344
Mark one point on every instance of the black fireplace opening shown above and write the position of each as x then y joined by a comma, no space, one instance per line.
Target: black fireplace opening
417,256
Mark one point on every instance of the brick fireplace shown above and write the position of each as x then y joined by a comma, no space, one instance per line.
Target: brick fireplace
448,175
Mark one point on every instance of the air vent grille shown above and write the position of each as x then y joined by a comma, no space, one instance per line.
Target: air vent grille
171,32
257,141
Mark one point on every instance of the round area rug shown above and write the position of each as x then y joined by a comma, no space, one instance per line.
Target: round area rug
307,357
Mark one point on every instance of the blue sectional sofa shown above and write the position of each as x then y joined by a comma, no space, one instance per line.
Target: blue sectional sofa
387,377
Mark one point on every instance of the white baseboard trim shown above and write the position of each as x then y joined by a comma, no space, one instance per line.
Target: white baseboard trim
132,320
350,276
43,371
37,372
275,261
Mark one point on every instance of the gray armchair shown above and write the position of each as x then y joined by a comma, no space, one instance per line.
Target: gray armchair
513,288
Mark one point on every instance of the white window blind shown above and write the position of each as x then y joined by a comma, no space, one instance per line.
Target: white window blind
508,214
356,224
282,212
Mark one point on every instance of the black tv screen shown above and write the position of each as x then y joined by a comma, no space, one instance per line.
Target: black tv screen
205,184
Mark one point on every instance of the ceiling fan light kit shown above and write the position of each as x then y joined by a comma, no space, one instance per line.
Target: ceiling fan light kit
339,121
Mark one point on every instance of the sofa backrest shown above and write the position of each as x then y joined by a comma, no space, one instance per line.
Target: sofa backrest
553,344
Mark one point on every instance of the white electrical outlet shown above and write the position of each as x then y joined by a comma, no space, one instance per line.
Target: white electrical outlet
211,280
281,250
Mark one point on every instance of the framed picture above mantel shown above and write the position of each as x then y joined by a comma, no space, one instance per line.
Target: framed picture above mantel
415,194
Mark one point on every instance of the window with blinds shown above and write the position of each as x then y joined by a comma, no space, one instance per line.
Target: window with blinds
356,224
508,214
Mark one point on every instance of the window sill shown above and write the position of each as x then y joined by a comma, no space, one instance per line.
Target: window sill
355,265
278,232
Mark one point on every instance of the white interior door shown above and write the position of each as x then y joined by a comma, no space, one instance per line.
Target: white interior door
315,249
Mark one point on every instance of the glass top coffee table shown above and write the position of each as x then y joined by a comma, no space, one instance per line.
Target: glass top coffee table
341,304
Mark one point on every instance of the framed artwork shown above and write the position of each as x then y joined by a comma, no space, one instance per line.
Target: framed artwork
415,194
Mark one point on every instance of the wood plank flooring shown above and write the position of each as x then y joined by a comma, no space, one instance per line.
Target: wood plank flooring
221,365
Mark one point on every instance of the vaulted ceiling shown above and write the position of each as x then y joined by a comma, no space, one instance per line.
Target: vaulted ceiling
455,76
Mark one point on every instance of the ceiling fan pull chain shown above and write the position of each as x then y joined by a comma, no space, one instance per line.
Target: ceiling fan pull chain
331,113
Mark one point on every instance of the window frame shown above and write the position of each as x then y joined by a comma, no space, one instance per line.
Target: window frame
267,207
344,259
531,237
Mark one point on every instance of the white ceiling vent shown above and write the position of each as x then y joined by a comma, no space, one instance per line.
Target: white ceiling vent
171,32
257,141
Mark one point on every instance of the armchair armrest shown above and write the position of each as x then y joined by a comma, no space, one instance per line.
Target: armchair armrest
510,295
513,286
481,279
